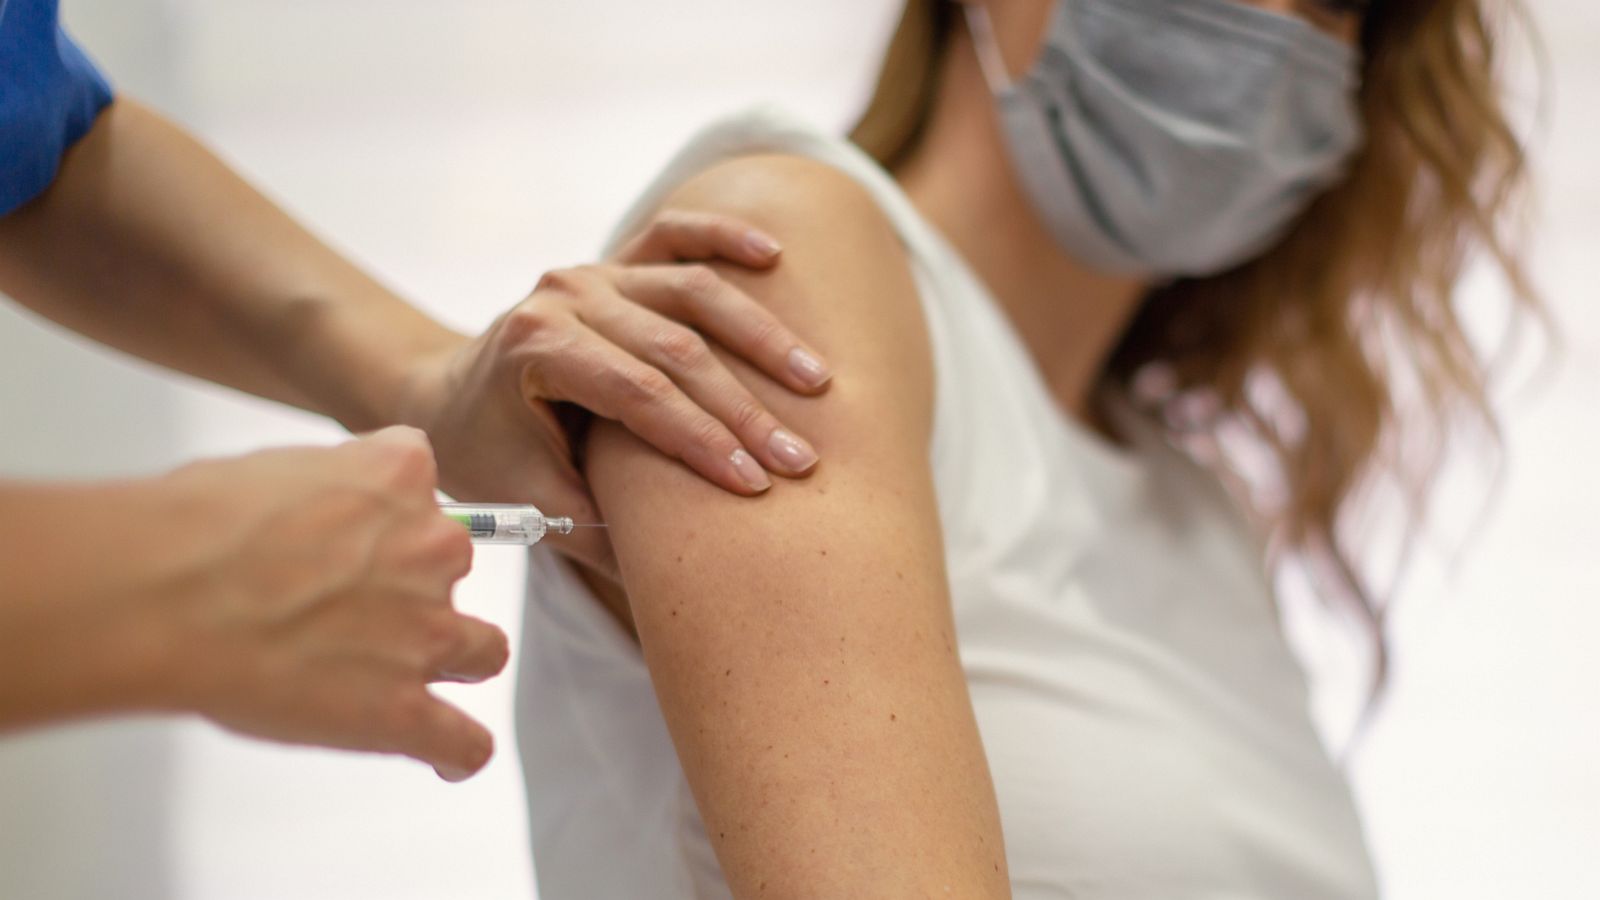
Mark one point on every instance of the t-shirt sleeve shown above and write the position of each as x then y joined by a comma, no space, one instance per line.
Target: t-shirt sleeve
50,94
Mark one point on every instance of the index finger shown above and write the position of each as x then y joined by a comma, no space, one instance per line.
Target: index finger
677,235
727,315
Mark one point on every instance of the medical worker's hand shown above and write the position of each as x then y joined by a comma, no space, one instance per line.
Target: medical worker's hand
312,588
622,340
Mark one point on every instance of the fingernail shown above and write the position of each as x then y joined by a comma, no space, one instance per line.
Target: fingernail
750,471
808,368
452,774
761,245
795,453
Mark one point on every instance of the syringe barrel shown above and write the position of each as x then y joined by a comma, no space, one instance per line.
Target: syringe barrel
499,523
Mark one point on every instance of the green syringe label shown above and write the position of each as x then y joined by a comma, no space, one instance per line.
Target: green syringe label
480,524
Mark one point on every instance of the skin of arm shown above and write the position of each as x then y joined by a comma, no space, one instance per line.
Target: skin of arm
802,644
118,650
149,243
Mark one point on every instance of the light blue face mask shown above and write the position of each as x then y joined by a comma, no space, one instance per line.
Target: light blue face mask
1174,137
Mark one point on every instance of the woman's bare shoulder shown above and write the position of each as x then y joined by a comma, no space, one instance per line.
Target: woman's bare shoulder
844,280
783,189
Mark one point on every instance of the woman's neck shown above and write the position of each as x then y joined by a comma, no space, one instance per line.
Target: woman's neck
960,178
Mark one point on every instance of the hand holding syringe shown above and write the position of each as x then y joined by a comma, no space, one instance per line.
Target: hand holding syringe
508,523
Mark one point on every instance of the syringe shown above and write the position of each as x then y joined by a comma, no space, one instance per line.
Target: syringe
506,523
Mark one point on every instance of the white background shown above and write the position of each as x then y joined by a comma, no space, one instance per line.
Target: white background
461,149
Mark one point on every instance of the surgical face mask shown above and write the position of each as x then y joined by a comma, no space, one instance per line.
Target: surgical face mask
1174,137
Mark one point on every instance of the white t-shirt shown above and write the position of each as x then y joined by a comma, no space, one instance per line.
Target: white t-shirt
1145,723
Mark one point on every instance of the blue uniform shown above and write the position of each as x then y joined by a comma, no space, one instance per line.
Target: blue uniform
50,94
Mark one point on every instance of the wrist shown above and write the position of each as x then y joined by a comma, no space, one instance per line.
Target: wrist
423,390
403,383
354,355
195,541
148,632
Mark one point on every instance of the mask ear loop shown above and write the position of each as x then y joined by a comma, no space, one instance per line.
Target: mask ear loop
990,59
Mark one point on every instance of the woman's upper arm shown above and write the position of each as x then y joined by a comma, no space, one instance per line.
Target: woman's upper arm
801,643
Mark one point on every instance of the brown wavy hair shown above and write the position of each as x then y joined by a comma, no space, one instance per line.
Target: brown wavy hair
1338,359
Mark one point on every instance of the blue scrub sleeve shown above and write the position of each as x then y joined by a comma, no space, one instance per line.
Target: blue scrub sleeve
50,94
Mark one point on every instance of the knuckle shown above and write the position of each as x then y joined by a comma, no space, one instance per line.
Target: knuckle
681,348
659,227
642,385
766,332
461,553
408,464
449,546
561,281
709,433
748,414
667,219
588,274
698,281
527,321
667,225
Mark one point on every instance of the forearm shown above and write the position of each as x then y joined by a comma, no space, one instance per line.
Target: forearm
75,565
149,243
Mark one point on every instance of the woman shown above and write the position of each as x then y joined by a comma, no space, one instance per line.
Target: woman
1147,247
